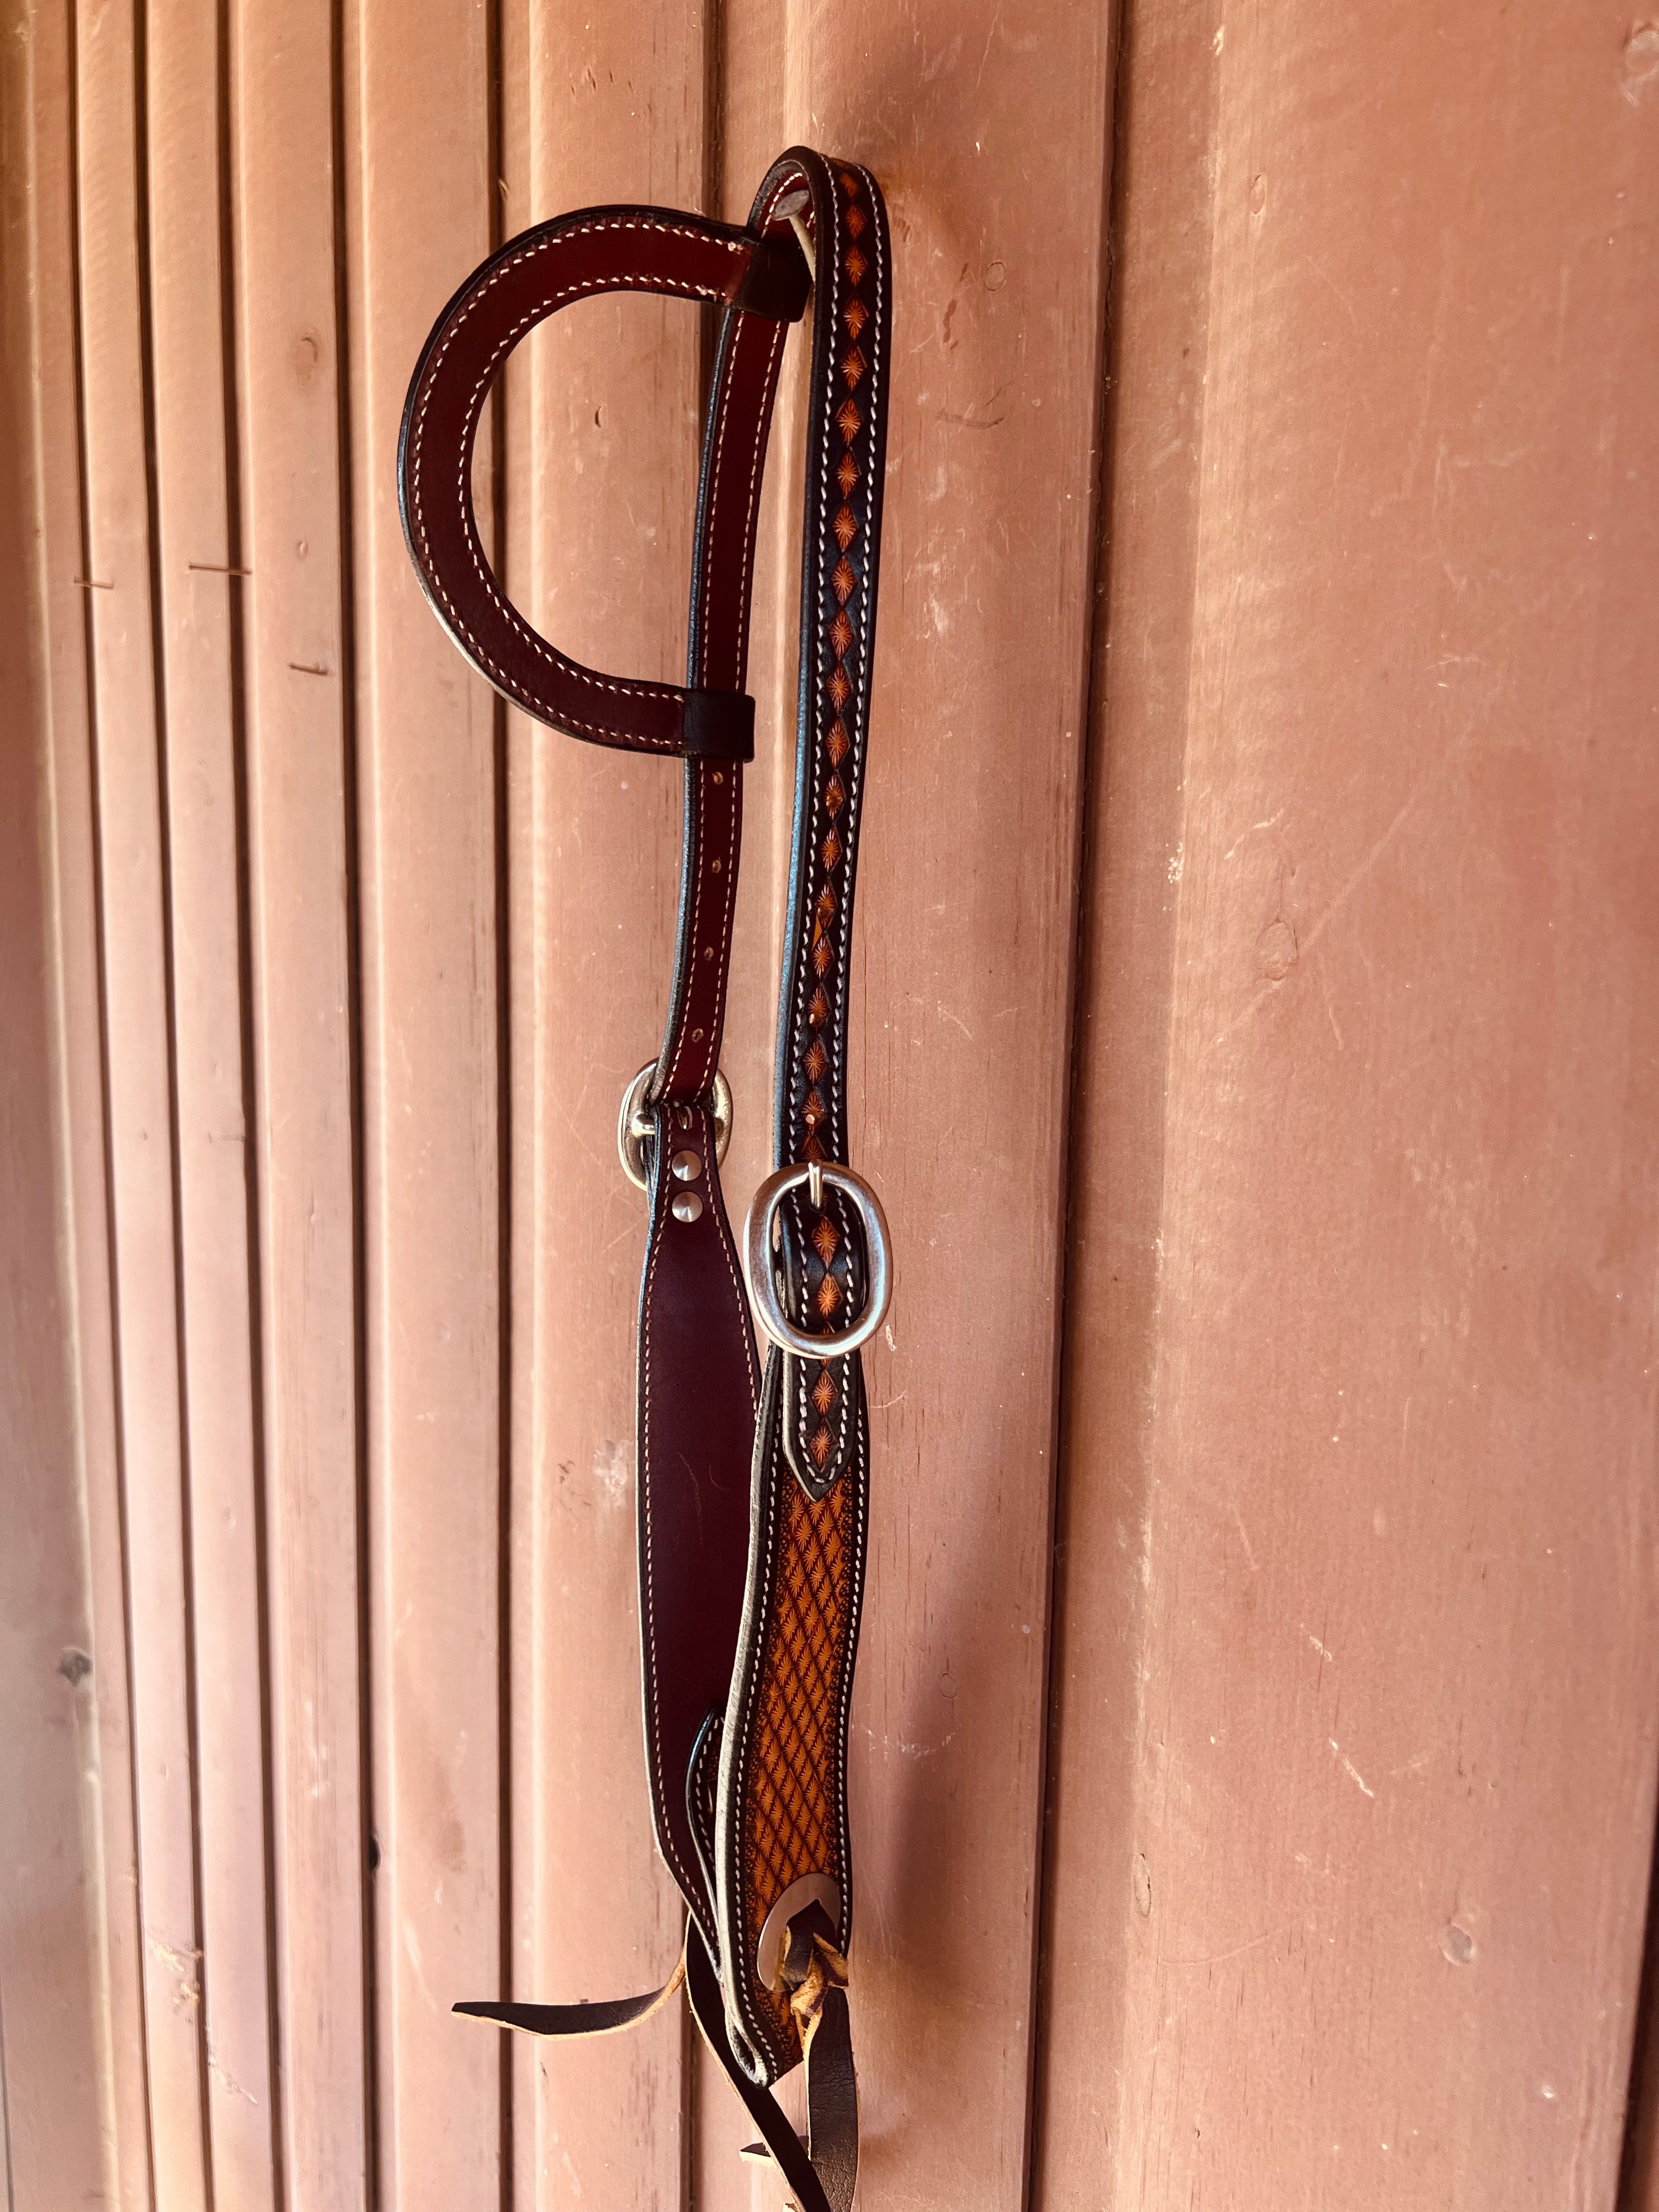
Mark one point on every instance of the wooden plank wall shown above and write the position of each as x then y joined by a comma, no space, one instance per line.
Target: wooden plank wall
1358,1621
71,2075
287,336
1254,1042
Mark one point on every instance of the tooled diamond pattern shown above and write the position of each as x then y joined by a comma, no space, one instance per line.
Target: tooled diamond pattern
790,1827
826,1291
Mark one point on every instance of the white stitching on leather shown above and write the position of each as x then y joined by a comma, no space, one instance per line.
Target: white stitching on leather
751,1702
713,504
768,382
750,1680
729,1249
817,593
717,1019
510,614
854,1613
694,927
650,1593
860,705
856,781
763,1566
724,1239
855,778
717,1016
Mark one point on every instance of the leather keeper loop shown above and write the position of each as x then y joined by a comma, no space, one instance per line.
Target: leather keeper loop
718,726
777,283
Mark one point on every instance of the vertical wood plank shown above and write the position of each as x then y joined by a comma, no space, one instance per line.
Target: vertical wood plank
751,132
1638,2179
1356,1757
521,1969
138,1078
600,505
53,2027
300,799
418,201
51,1994
1157,363
197,545
72,2125
41,167
1639,2176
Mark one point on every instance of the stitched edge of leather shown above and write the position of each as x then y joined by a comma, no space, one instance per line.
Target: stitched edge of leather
739,334
740,1925
806,1428
702,1907
545,239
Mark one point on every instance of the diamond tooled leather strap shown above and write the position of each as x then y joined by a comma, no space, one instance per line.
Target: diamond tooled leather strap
783,1773
752,1495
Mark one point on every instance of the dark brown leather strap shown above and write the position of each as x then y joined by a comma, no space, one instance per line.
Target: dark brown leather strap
610,2016
699,1379
751,1509
576,256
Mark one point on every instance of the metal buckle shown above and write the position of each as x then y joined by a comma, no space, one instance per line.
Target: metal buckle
759,1235
635,1128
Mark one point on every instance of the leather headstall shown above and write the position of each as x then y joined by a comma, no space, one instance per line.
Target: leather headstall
752,1488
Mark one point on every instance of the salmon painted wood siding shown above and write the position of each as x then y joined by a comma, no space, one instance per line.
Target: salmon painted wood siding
1257,1726
1356,1646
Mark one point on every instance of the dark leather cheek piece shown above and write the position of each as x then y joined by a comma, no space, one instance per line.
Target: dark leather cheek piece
698,1384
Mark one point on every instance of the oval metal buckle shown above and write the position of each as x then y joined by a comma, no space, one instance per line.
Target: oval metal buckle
634,1127
757,1248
